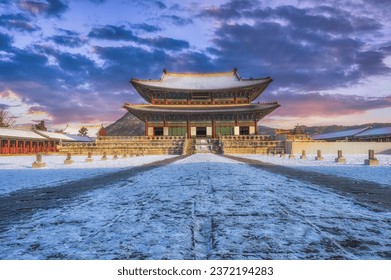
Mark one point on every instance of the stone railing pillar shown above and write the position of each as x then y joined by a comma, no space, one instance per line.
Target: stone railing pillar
340,158
371,161
38,163
318,155
89,157
68,159
303,155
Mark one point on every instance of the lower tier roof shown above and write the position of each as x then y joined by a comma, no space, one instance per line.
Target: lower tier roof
148,112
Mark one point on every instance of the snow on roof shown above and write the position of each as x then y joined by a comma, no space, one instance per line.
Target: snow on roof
198,81
375,132
55,135
79,138
18,133
339,134
202,108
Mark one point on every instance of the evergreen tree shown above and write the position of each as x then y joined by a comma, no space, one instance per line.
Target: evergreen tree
41,126
83,131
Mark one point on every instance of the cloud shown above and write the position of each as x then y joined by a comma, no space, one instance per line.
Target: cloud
166,43
324,105
303,48
160,5
230,10
112,32
98,1
69,39
5,41
4,106
51,8
176,20
146,27
121,33
18,22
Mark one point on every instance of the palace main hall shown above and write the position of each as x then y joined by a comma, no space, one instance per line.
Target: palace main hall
201,105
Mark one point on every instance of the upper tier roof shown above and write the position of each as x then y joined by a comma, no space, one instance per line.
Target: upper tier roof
197,81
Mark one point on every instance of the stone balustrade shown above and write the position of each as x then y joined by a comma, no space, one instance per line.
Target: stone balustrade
130,145
251,144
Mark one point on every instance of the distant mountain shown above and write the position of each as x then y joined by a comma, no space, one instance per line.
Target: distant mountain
312,130
129,125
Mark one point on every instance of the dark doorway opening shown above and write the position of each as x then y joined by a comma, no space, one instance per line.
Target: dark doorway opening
158,131
244,130
201,131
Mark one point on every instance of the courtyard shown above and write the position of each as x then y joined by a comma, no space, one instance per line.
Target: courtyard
202,206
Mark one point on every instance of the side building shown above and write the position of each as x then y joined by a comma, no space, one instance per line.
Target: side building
201,105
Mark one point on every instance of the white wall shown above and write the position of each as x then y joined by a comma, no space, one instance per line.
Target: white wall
333,147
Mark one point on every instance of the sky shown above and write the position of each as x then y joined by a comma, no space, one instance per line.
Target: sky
70,62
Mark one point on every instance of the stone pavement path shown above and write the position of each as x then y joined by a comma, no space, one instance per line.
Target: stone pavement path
199,207
370,194
21,204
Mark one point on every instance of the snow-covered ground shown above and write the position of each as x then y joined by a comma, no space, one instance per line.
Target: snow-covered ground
202,207
16,172
353,168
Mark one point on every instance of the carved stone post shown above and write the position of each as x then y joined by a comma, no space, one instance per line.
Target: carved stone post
371,161
318,155
38,162
340,158
104,157
89,157
124,154
68,159
303,156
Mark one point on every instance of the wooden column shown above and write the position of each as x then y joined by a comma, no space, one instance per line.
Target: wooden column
8,146
256,127
188,129
146,128
16,146
213,128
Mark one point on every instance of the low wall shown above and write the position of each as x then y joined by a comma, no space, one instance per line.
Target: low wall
311,147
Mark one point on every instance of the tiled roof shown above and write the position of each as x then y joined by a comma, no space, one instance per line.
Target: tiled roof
202,109
40,135
197,81
55,135
339,134
79,138
18,133
375,132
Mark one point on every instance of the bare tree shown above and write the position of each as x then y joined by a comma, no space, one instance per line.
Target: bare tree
6,120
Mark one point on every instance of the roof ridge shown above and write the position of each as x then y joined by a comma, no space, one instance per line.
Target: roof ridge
187,74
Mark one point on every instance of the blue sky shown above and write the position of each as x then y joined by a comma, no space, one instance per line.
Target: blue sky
68,61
